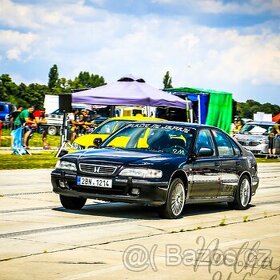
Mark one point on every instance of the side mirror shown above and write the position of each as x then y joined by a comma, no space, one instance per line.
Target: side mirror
205,152
97,142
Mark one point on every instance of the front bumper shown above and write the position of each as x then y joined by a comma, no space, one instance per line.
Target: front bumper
151,192
258,150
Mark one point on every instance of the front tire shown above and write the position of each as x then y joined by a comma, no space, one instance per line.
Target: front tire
72,203
243,194
174,205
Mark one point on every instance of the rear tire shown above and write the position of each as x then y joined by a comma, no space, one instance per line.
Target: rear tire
175,202
72,203
243,194
52,130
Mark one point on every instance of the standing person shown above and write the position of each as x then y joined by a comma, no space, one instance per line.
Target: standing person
14,115
236,126
275,131
82,125
40,119
73,119
24,119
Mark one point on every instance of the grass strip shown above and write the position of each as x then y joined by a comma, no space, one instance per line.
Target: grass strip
37,160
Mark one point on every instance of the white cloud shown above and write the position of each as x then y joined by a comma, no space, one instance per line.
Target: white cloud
16,15
15,44
42,17
255,58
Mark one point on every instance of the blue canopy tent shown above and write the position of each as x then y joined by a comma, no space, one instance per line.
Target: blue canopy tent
202,101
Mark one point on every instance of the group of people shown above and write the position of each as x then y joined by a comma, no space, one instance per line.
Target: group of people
80,123
31,120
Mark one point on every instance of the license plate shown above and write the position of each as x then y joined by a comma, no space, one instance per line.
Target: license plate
94,182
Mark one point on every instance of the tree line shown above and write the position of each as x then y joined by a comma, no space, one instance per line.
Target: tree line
35,93
250,107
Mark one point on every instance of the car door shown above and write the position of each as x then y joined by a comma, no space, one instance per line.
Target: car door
230,162
205,173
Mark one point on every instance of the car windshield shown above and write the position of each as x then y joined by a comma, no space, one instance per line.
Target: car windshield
172,139
255,129
110,126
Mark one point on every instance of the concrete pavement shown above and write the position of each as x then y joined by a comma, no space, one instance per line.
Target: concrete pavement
41,240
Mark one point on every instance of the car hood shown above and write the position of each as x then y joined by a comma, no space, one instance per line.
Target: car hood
250,137
124,157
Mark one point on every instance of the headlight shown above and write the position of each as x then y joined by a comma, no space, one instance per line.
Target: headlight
77,146
141,173
61,164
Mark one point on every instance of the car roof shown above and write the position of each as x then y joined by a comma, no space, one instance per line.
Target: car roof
260,122
135,118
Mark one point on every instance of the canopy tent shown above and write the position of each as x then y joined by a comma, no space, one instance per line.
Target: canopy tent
129,91
214,107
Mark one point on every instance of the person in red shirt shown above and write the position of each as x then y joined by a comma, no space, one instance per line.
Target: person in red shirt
39,116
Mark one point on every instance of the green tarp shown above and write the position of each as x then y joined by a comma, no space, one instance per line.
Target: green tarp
220,111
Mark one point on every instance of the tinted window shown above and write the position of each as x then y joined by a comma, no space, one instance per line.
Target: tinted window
223,144
250,128
2,108
204,140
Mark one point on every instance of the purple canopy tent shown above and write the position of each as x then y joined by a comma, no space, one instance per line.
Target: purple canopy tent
128,91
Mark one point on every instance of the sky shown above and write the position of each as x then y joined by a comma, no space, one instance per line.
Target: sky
232,46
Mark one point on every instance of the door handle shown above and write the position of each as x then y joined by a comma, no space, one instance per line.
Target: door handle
217,163
238,163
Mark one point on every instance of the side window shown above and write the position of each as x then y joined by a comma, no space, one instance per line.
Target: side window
204,140
223,144
236,148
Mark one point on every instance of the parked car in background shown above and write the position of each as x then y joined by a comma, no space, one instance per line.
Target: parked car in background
164,164
6,108
254,136
54,122
105,129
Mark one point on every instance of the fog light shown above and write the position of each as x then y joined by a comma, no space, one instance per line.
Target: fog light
63,184
135,191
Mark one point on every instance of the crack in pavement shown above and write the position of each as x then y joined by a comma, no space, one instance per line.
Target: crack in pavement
43,230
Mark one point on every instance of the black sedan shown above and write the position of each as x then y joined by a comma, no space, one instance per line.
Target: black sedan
165,164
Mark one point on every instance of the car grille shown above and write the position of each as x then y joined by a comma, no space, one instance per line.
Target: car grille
254,144
97,169
249,143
